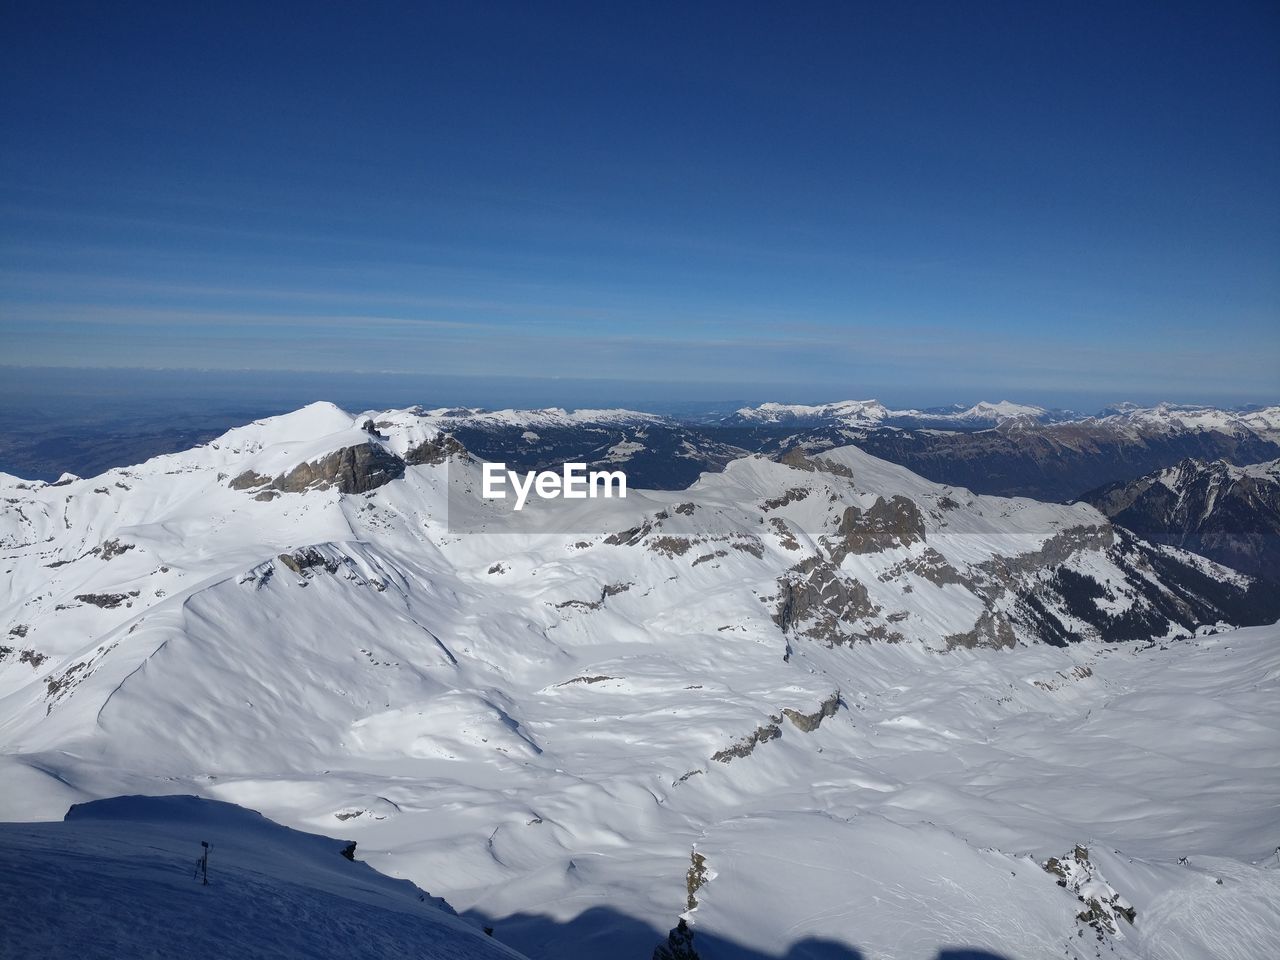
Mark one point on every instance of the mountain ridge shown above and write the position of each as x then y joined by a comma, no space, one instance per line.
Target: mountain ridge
543,717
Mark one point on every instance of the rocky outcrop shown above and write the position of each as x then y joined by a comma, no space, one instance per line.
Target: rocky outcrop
1103,907
809,722
793,495
929,565
896,522
355,469
796,457
1058,549
747,745
33,658
607,591
248,481
694,879
804,722
113,548
108,601
308,558
679,943
992,630
816,601
435,451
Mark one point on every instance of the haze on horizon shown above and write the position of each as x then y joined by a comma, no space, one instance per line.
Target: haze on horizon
578,204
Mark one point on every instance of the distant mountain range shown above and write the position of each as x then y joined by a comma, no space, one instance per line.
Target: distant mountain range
1003,448
872,413
689,724
996,448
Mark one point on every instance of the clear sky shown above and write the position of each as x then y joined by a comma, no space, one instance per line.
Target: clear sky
921,202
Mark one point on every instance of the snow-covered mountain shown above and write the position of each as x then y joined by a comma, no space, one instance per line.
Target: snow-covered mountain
1004,448
873,413
1262,422
852,413
803,703
656,451
1012,449
1223,511
117,879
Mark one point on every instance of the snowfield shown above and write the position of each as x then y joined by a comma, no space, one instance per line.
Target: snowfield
818,708
118,878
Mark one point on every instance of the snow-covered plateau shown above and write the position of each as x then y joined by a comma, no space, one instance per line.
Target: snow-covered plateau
811,707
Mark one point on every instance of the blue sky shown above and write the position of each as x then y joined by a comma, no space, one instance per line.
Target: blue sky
922,202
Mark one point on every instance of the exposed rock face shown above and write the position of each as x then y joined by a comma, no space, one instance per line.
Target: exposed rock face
747,745
435,451
804,722
1227,513
1104,908
694,880
794,495
33,658
308,558
113,548
896,522
679,943
796,457
816,601
108,601
809,722
931,566
248,481
356,469
1000,573
992,630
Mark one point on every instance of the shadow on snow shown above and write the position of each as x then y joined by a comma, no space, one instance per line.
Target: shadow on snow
604,932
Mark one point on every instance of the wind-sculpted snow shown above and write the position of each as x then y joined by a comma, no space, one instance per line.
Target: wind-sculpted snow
931,692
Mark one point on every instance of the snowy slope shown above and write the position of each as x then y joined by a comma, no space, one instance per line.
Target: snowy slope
117,879
934,827
542,720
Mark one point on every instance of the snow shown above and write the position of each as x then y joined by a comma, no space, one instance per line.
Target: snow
1127,419
872,413
116,878
1269,471
1172,417
1004,410
623,451
849,412
523,721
